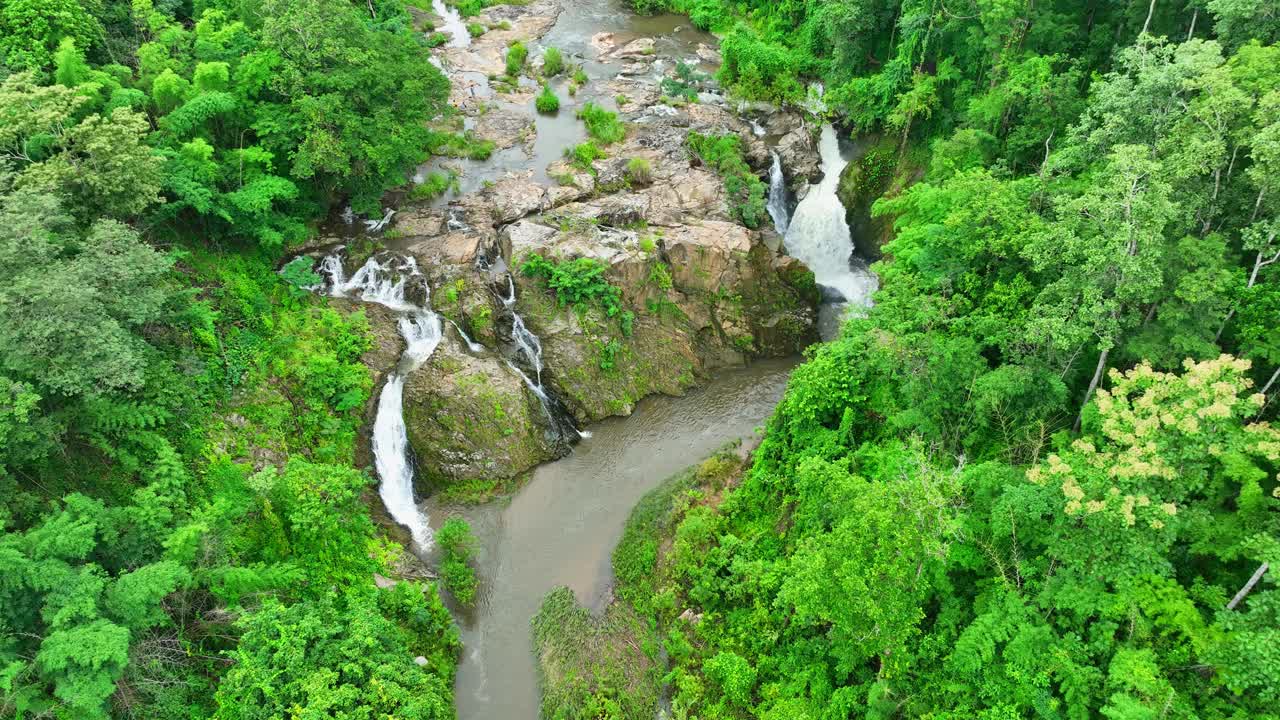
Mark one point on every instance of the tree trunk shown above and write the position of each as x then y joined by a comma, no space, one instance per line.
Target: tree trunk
1253,580
1267,388
1093,385
1192,31
1151,10
1258,264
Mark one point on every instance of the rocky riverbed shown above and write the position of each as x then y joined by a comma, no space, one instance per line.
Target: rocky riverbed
702,291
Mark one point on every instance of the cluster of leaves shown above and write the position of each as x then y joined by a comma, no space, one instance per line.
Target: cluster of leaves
603,126
457,547
517,54
179,511
723,154
579,283
546,102
640,171
552,62
584,154
686,83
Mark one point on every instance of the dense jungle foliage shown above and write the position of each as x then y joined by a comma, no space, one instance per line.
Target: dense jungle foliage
183,531
1039,478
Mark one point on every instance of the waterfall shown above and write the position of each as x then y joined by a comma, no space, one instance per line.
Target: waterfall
529,347
452,24
378,225
472,345
819,236
778,195
388,280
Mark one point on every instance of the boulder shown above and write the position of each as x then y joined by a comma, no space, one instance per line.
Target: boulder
507,200
505,127
638,49
472,421
799,158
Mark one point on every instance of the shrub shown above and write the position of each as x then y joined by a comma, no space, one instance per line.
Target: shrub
436,39
436,184
457,546
573,89
579,75
552,62
723,153
640,171
516,55
455,145
583,154
579,283
621,100
601,124
475,29
547,102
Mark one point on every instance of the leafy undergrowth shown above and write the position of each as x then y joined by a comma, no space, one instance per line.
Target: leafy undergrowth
607,667
612,666
723,154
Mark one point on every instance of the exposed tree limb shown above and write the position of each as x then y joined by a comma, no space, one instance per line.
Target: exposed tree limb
1257,575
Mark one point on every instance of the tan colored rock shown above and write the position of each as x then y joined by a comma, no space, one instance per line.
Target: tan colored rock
507,200
454,248
708,54
704,256
506,128
638,49
420,222
799,158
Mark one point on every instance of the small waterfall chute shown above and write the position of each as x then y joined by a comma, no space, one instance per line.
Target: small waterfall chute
396,282
778,199
472,345
380,224
528,349
819,236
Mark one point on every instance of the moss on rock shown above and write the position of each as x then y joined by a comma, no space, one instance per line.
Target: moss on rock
474,426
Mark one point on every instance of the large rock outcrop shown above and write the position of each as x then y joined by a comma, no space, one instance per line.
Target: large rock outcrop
698,291
473,424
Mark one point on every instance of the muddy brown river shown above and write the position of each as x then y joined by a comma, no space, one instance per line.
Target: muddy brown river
561,528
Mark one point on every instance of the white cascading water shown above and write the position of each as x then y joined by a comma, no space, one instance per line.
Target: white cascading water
529,346
385,282
819,235
452,24
379,224
472,345
778,196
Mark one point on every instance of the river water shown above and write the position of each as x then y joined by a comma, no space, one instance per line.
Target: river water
562,526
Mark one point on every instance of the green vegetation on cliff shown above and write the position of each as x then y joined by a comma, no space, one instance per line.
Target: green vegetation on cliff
183,530
746,191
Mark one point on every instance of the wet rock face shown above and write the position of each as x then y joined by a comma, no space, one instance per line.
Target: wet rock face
704,294
698,290
471,420
800,159
864,180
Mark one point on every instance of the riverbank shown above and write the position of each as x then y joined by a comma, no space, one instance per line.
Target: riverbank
561,527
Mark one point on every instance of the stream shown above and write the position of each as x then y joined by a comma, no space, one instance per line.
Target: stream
562,526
